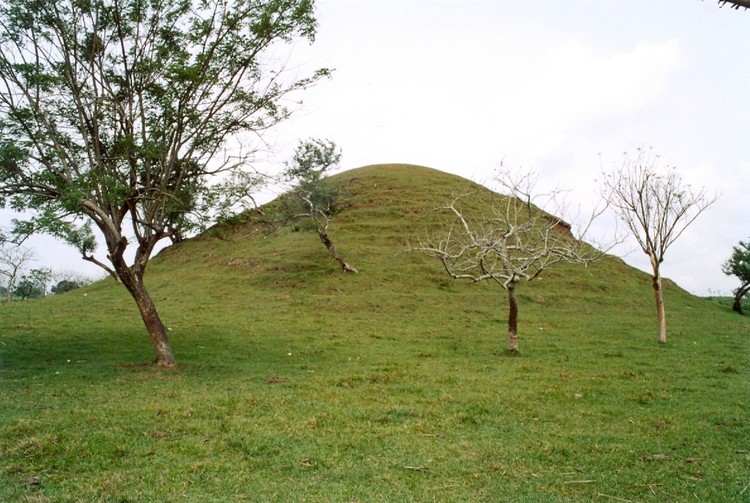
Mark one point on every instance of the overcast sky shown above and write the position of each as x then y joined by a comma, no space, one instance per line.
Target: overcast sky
560,87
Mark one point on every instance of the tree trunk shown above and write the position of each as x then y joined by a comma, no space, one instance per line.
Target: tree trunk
737,305
739,293
134,283
660,314
512,320
333,252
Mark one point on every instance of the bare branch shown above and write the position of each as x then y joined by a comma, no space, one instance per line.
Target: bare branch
12,262
656,207
505,238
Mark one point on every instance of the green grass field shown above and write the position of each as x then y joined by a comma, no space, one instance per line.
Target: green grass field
298,382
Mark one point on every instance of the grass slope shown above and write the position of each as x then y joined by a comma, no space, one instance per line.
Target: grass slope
298,382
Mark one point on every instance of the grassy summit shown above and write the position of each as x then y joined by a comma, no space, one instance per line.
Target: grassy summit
298,382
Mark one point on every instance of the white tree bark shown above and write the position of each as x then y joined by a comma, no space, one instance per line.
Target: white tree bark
657,208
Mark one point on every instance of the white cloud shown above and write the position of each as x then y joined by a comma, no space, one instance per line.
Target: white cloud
579,87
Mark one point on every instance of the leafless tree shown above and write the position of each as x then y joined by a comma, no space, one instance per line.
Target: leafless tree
506,239
657,207
13,259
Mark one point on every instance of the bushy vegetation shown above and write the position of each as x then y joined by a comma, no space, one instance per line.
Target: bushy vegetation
298,382
738,265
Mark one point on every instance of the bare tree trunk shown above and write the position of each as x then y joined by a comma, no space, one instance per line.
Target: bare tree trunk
133,281
512,320
660,314
333,252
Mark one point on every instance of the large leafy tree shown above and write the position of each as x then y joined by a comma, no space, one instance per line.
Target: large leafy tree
119,114
738,265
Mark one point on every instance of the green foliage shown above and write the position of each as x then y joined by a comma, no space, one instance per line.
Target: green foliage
299,384
66,285
26,289
738,265
33,285
313,195
115,111
312,159
122,114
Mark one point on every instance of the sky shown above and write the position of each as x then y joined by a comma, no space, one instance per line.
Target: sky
559,87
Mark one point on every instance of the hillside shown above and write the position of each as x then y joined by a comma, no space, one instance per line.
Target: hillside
299,382
388,206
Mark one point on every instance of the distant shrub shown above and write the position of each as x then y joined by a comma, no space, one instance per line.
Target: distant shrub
66,285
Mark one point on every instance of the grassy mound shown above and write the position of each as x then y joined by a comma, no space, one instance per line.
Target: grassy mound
298,382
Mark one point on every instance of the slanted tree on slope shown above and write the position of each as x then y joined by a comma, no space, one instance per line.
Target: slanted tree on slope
657,208
314,198
506,239
121,113
738,265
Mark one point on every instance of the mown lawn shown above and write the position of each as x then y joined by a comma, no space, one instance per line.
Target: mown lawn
297,383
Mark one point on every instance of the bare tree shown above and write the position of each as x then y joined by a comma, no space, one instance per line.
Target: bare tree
13,259
657,207
506,239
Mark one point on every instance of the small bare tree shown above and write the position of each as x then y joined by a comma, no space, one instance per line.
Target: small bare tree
13,259
509,240
657,208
